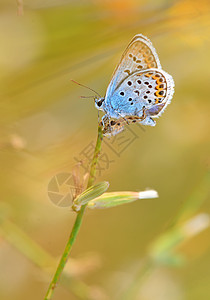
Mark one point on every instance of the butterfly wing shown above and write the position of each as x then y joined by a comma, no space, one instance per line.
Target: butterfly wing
139,88
150,90
139,55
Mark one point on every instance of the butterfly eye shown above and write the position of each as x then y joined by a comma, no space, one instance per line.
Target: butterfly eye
100,101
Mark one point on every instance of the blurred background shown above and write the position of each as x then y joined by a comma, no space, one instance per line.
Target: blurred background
46,128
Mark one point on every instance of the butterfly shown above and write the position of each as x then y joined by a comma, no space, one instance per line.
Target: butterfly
139,89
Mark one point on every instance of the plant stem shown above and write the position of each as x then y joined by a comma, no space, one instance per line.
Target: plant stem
78,220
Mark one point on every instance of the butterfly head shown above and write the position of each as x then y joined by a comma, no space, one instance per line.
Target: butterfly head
99,103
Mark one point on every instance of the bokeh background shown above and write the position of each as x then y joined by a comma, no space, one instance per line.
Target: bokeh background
46,127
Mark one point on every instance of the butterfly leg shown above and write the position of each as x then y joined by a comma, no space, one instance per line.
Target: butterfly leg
105,123
105,119
114,127
124,118
153,111
145,119
110,126
148,121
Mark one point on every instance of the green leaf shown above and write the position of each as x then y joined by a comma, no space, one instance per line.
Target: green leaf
108,200
91,193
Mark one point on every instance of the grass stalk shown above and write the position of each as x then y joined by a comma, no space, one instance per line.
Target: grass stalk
78,221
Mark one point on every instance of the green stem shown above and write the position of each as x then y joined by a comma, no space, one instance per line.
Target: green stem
78,220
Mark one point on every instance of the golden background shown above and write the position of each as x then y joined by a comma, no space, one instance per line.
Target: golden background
45,125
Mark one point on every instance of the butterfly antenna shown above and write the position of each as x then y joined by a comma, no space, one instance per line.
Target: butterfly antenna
87,96
86,87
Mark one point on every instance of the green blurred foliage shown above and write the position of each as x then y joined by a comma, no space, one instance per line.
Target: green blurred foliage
45,125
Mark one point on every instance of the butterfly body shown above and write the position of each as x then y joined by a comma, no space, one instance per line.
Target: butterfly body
139,88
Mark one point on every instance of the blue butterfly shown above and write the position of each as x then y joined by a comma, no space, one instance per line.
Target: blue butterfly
139,89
